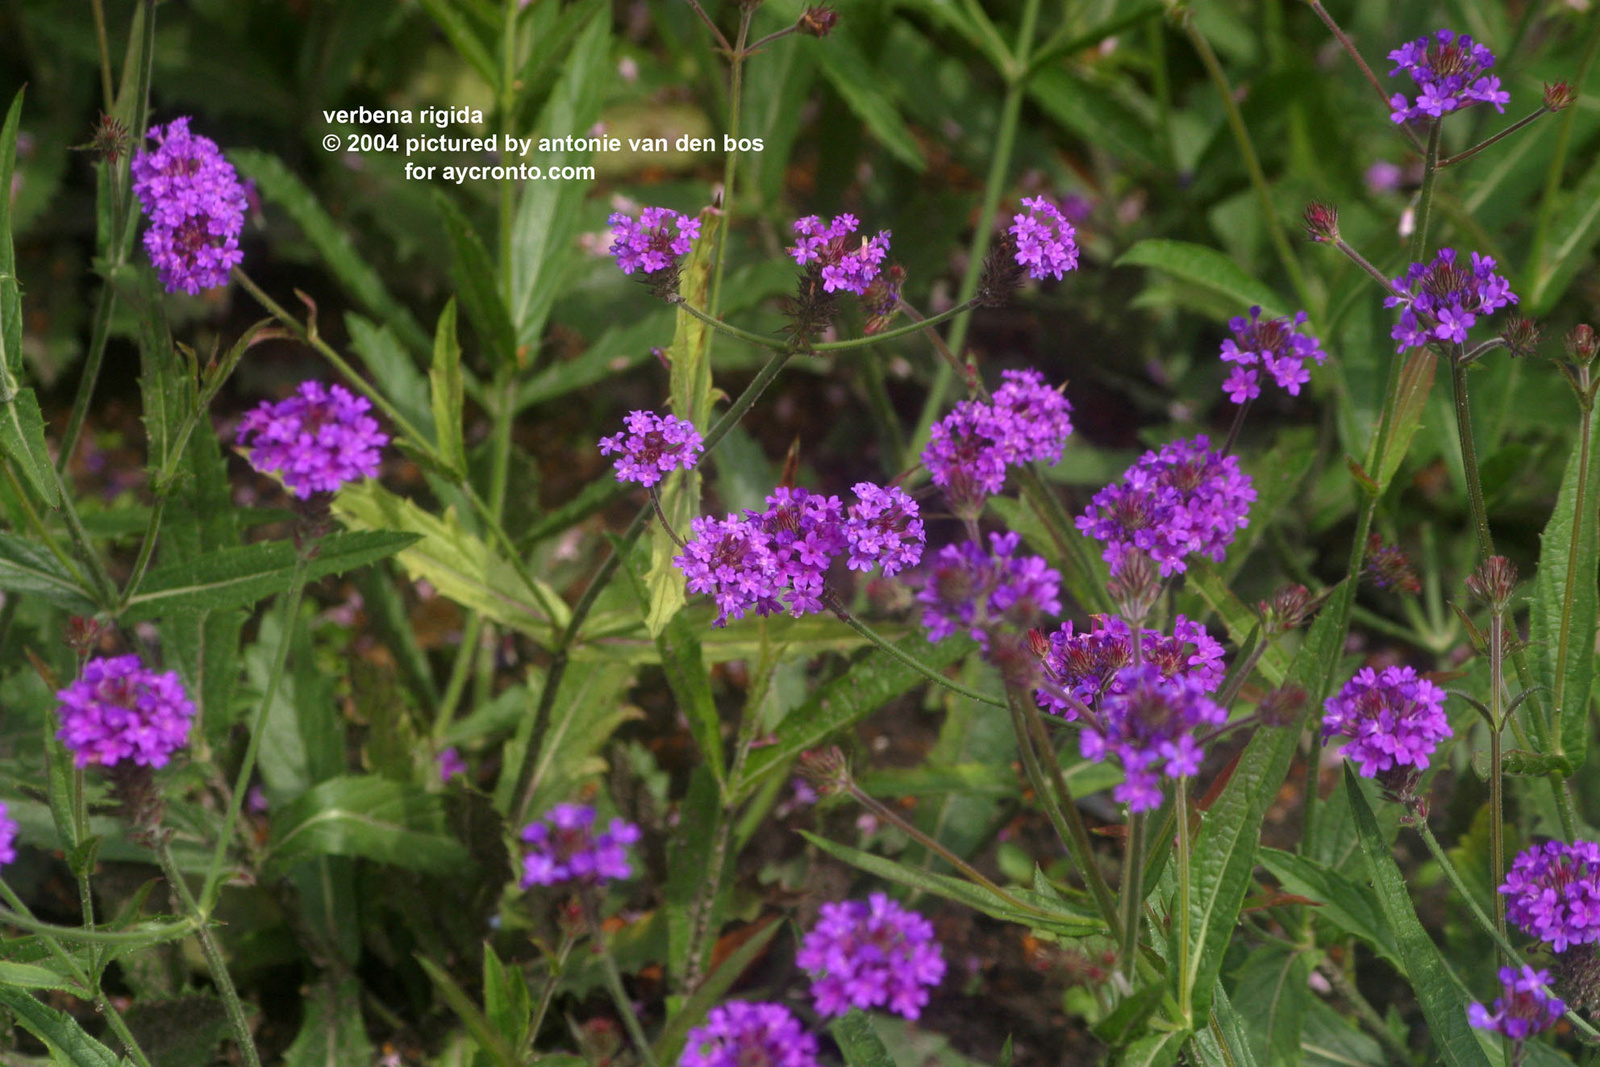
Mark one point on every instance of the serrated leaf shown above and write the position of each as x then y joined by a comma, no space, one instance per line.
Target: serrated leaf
474,275
1207,268
1202,578
446,391
390,364
1054,916
1274,981
863,688
1438,990
860,1044
1157,1050
27,569
690,682
1096,115
32,976
22,442
165,383
589,708
505,999
1570,691
862,88
10,291
239,577
455,561
72,1046
1411,400
332,1034
1346,903
367,817
279,185
494,1047
547,216
1222,1043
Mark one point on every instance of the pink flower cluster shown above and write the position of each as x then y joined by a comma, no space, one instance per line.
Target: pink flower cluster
829,246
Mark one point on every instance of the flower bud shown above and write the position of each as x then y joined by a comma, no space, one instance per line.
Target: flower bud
1558,96
1581,344
1135,583
1289,608
1493,583
1521,336
1322,223
1389,568
1282,706
817,21
827,770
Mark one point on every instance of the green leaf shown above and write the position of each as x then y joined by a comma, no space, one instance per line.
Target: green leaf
239,577
1096,115
1578,226
474,275
858,1042
1411,395
392,367
368,817
446,389
688,868
1222,1043
1202,578
616,351
1273,980
548,215
467,44
1438,991
1057,918
332,1034
1207,268
278,184
166,384
178,1032
28,569
1064,42
10,291
589,708
1570,692
67,1040
505,999
483,1032
32,976
455,561
22,442
1329,1040
862,87
1346,903
669,1046
865,686
1157,1050
1224,852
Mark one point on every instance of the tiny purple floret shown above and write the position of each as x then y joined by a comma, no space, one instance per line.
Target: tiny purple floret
316,440
845,263
1086,665
1525,1007
1276,346
883,528
871,954
1148,721
8,836
450,764
118,710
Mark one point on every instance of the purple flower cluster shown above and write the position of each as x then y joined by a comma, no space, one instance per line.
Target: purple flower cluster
563,847
1393,719
1147,720
652,242
1047,246
763,559
1087,664
120,710
1181,499
8,836
1450,74
829,246
973,590
651,446
196,207
450,764
1277,346
1442,300
741,1034
869,955
316,440
971,447
1526,1006
1553,893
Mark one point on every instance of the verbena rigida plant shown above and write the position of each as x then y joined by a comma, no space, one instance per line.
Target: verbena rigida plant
727,638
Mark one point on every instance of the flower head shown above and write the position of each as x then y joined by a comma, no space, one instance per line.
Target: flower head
971,447
1450,73
1393,720
652,242
1148,721
1443,299
804,532
1553,893
563,847
844,263
651,446
1275,345
450,764
316,440
196,207
120,710
732,560
8,836
970,589
1182,499
883,528
742,1034
1046,242
1088,664
1525,1008
871,954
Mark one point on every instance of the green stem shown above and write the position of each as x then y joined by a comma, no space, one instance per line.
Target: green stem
99,335
1430,175
46,536
619,995
774,344
147,547
1252,162
832,602
1132,894
569,938
241,784
1185,975
1366,71
730,164
1460,157
1469,460
1497,831
457,684
213,954
1056,798
107,93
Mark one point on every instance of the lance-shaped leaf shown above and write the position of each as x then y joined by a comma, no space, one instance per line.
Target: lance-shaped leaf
1207,268
368,817
28,569
446,390
60,1031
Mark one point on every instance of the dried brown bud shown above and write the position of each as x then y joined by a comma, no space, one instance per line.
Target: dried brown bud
1581,344
1002,274
1493,583
111,140
826,770
1282,706
1322,223
1289,608
1390,568
1558,96
1521,336
881,301
817,21
83,634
